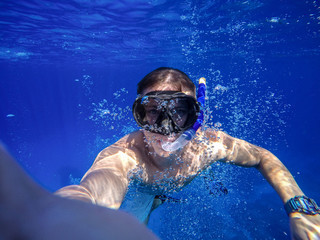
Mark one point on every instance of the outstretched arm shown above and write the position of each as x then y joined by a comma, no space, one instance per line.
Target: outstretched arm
244,154
30,212
106,182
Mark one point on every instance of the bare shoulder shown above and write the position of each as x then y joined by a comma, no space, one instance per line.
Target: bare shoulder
231,149
124,152
211,145
218,136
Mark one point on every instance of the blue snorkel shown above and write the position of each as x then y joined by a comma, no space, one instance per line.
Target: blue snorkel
188,135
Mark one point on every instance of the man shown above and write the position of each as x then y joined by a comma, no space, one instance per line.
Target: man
165,108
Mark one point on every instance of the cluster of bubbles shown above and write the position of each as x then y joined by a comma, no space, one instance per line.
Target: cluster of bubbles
247,110
112,118
74,180
86,82
110,114
118,95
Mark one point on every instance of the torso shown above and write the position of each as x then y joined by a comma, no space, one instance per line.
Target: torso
159,172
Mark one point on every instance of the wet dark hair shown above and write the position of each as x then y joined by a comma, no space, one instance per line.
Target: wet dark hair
166,75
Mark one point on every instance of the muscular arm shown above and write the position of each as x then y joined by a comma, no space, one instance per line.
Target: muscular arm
239,152
278,176
106,182
242,153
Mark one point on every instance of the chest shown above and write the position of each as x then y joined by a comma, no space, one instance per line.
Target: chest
161,174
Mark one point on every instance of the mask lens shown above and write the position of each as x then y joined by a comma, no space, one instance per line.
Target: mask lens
179,111
153,109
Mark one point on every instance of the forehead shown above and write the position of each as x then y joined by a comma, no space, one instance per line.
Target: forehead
166,87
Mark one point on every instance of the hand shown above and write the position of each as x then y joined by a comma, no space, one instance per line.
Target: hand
305,226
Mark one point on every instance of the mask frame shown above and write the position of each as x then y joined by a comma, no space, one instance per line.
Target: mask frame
166,122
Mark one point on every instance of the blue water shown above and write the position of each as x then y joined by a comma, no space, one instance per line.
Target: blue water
68,75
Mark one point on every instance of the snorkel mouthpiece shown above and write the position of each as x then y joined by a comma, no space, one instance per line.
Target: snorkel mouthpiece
188,135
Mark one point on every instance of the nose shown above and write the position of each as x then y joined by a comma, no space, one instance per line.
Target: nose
167,125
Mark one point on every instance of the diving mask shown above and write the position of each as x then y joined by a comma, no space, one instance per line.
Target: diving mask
165,112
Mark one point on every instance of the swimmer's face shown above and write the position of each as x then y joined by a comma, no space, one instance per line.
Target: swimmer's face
156,139
178,107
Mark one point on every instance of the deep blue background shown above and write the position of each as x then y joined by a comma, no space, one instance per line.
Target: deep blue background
59,61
